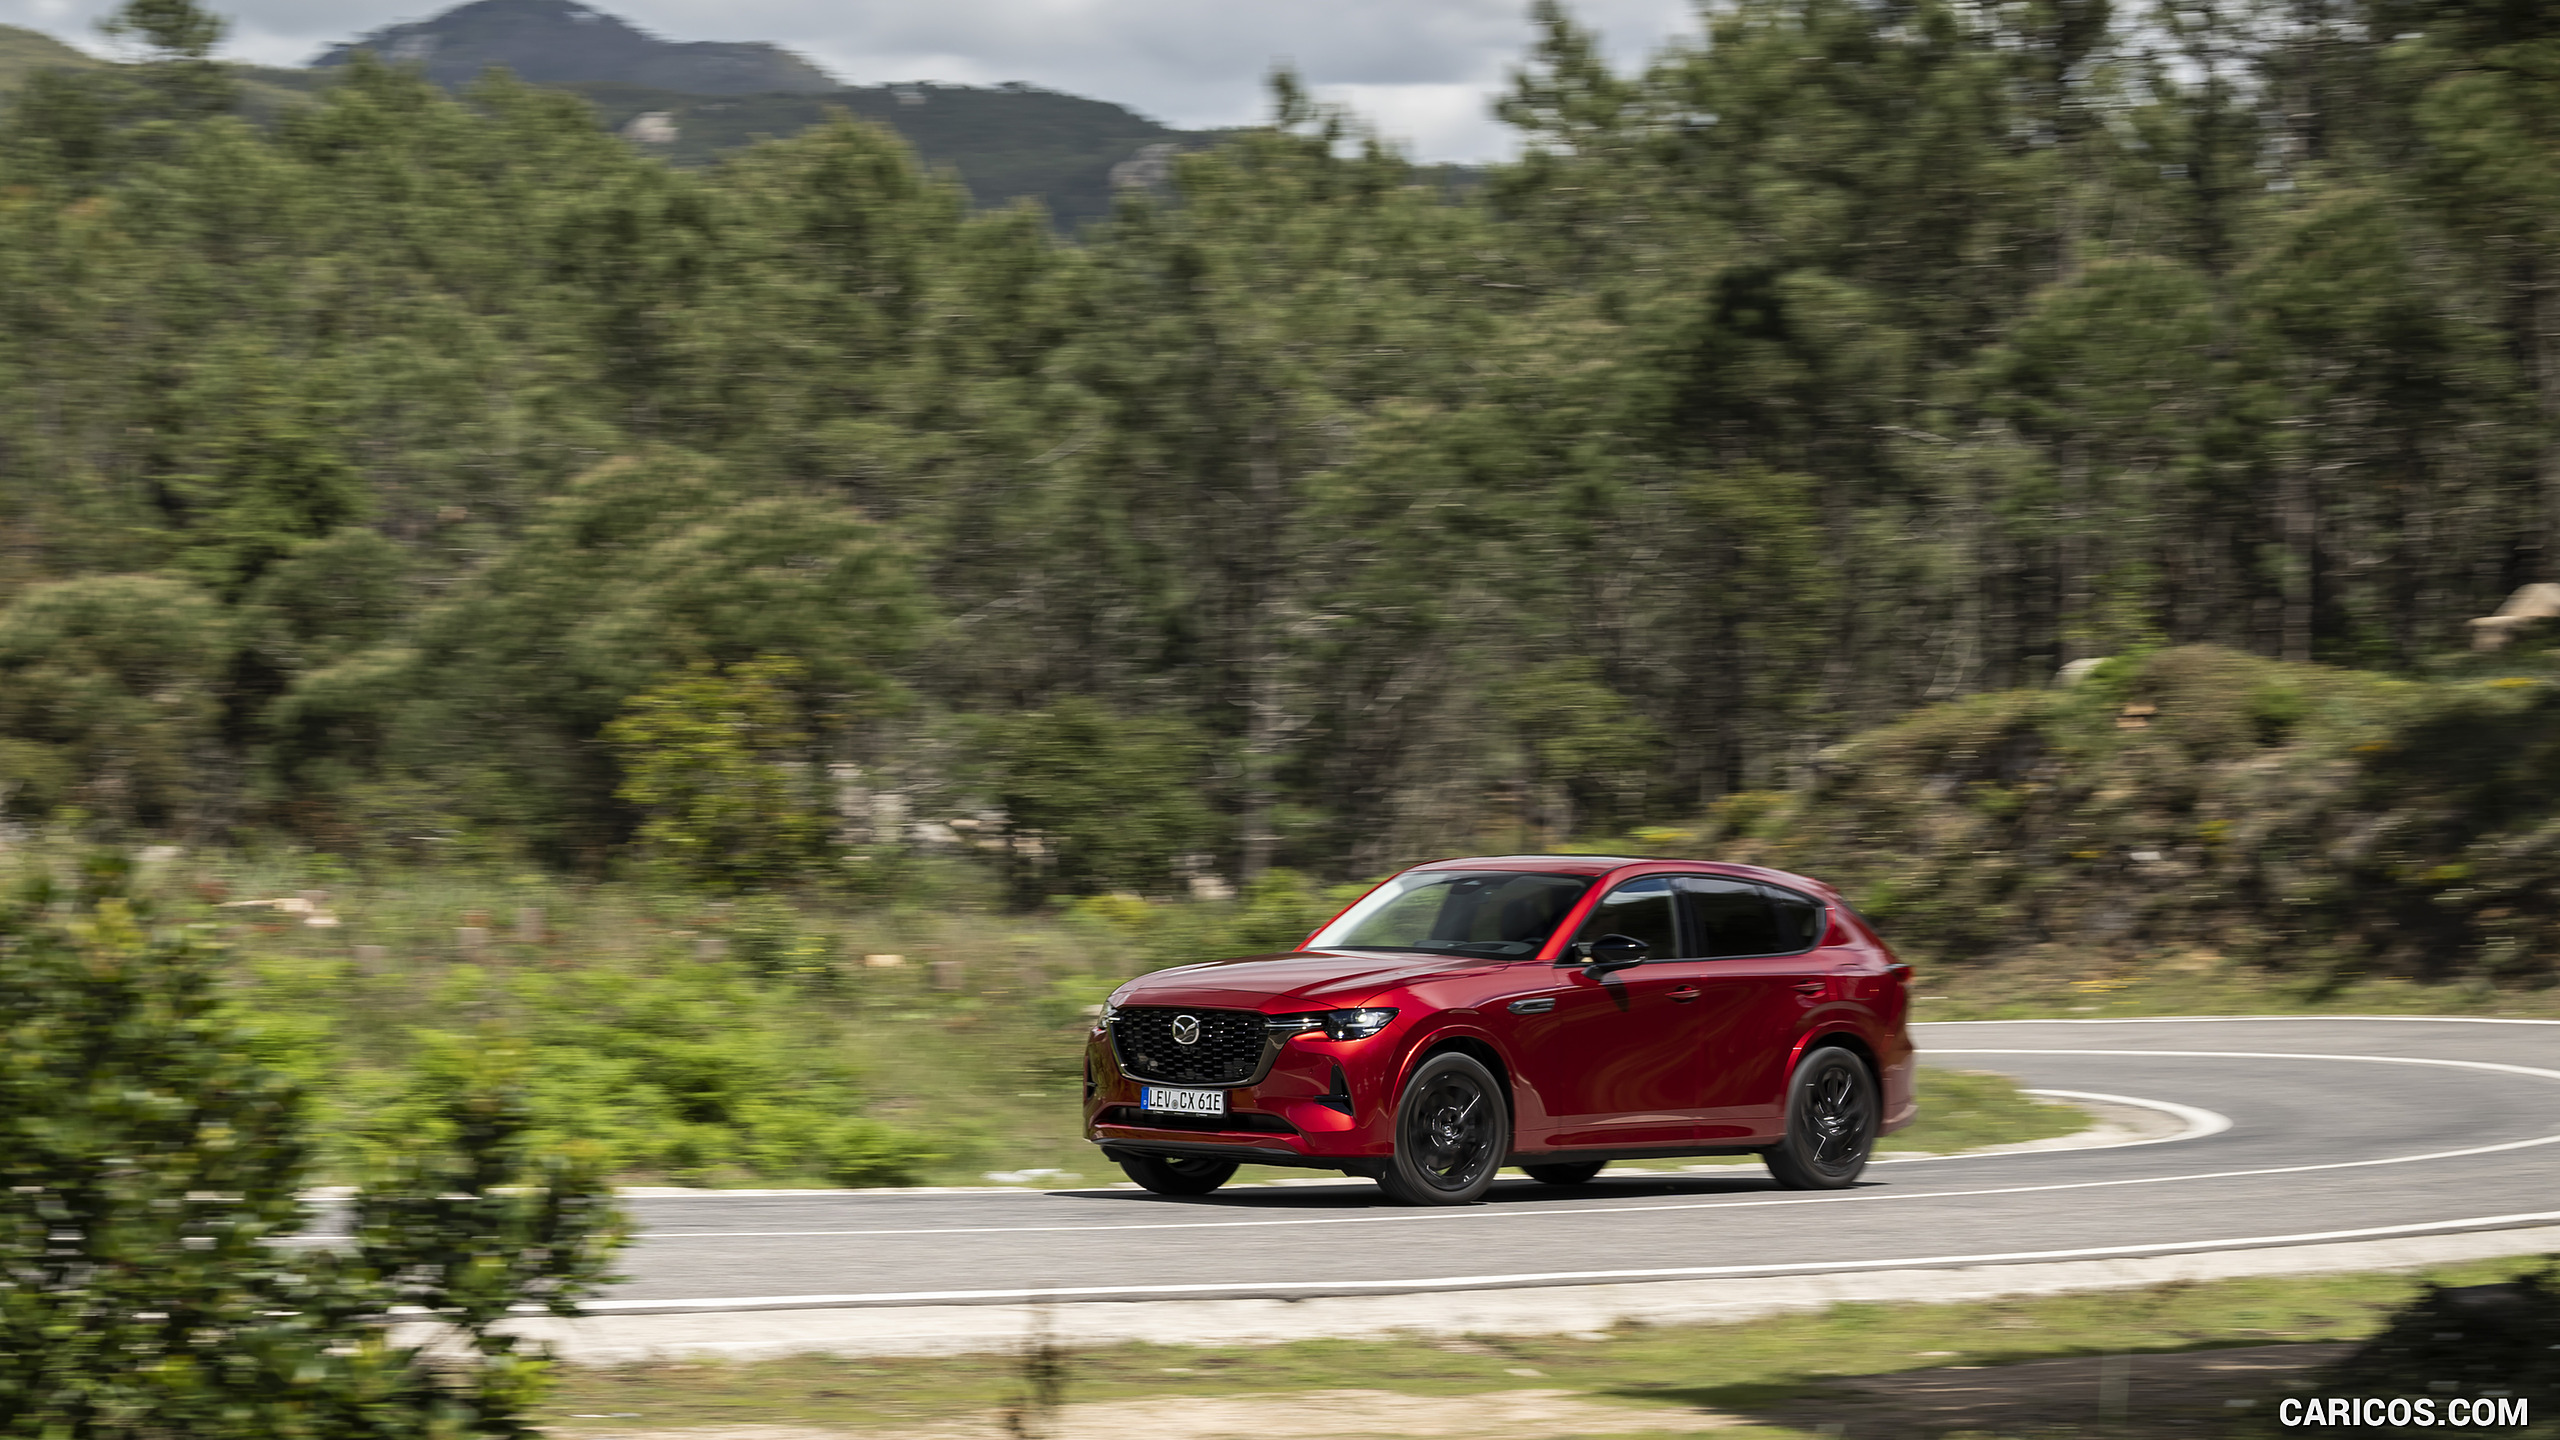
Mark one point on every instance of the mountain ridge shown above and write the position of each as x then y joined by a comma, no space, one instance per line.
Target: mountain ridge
566,42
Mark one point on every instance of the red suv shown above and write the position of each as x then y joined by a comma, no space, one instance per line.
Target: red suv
1545,1011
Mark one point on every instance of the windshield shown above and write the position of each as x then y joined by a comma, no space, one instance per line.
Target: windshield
1499,912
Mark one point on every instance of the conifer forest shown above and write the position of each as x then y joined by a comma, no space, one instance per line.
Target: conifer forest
421,474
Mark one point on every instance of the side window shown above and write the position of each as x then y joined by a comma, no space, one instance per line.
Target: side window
1639,908
1729,917
1799,919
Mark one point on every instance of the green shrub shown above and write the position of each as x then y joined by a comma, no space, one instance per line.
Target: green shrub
1092,800
107,696
718,763
149,1161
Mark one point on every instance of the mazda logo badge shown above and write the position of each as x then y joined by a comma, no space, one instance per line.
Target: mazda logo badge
1186,1029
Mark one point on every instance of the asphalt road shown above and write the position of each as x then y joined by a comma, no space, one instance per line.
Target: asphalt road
2340,1129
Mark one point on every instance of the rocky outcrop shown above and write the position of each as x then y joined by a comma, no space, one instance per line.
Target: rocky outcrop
2532,603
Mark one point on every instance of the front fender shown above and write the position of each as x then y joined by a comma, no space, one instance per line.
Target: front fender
1465,1030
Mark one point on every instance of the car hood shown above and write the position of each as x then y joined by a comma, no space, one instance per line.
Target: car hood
1299,980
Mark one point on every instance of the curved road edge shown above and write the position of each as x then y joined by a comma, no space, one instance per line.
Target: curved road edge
1580,1310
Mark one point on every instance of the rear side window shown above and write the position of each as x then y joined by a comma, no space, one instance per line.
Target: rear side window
1730,917
1799,920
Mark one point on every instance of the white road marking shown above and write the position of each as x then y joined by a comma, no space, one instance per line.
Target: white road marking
2283,1055
1556,1277
2253,1020
2200,1123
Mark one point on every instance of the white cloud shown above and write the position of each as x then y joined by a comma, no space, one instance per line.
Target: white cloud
1424,70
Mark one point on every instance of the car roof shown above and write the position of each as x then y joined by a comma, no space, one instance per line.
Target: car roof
1545,864
1596,865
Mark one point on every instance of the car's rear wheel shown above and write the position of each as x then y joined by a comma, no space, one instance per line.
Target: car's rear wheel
1831,1123
1178,1174
1452,1130
1572,1172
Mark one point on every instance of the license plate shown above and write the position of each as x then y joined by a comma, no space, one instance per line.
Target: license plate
1183,1102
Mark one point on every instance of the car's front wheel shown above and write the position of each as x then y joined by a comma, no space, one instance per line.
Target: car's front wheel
1178,1174
1831,1123
1452,1130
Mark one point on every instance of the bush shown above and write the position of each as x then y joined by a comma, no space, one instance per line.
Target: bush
1094,801
2466,1340
107,696
149,1163
718,763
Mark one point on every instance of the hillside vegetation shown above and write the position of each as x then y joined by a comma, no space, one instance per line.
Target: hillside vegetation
25,52
1005,143
2196,807
432,479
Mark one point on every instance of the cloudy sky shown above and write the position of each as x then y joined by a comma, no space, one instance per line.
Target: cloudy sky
1424,70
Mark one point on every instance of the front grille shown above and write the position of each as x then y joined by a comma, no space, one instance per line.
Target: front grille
1227,1052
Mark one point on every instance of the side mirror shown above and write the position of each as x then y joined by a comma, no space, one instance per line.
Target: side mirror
1615,952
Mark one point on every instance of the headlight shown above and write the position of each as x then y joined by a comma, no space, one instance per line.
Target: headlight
1336,1024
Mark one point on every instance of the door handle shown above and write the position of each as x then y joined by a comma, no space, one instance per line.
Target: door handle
1812,987
1685,994
1538,1006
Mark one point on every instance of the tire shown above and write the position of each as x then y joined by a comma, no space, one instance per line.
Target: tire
1452,1131
1564,1172
1178,1174
1831,1123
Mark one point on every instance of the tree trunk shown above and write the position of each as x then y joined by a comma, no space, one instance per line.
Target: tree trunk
2544,309
1261,647
2300,523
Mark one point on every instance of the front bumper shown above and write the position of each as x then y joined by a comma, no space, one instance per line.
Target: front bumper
1311,1106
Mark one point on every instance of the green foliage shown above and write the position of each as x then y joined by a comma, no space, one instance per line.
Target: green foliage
642,567
2205,802
151,1163
1582,736
1094,800
717,762
178,37
107,696
1836,364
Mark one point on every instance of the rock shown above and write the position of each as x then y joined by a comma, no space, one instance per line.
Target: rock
2531,603
651,127
1150,169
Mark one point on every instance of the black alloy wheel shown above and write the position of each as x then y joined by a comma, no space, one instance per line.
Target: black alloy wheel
1452,1131
1178,1174
1564,1172
1831,1123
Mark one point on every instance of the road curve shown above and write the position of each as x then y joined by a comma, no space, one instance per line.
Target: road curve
2340,1129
